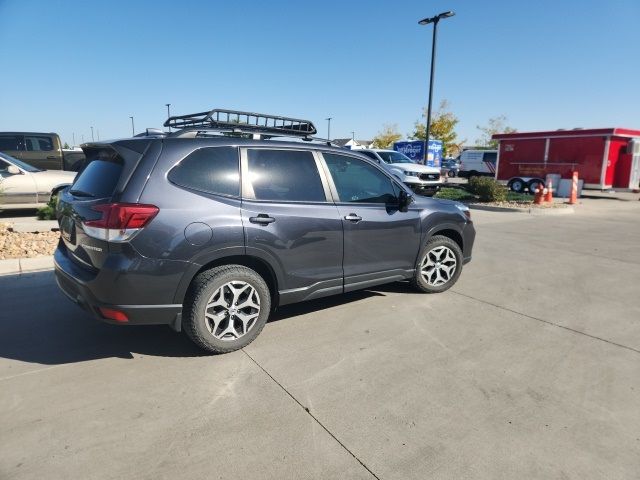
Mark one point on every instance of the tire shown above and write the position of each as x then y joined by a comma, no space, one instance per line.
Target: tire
446,253
532,185
218,291
517,185
451,174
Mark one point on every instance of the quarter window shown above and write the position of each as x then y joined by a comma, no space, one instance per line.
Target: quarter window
285,175
213,170
358,181
9,143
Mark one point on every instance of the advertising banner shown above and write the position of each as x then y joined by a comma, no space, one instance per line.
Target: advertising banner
415,151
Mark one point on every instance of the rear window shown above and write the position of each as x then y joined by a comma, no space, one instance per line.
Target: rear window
101,175
211,170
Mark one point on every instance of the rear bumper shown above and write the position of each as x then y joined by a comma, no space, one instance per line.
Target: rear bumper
78,285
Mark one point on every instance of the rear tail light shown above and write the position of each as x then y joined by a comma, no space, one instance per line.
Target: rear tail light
119,221
115,315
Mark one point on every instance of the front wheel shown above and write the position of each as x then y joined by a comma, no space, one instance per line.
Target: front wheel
226,308
439,267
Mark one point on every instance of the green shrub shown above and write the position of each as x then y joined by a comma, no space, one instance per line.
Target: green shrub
487,189
457,194
48,212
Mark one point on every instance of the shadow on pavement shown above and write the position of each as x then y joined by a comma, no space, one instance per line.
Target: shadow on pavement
38,324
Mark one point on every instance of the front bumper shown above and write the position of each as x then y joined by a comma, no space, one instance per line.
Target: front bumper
79,286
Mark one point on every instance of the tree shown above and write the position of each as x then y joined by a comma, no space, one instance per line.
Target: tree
494,125
65,146
386,137
443,124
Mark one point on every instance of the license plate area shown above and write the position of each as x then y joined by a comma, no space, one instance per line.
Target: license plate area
68,229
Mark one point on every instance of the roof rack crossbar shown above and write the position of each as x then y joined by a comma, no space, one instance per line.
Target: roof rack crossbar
222,119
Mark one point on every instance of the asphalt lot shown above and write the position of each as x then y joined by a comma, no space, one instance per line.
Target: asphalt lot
528,368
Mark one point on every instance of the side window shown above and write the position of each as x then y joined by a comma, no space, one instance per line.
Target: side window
9,143
370,155
358,181
490,157
285,175
34,143
213,170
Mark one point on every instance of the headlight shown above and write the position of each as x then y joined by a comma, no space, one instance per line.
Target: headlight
464,209
412,174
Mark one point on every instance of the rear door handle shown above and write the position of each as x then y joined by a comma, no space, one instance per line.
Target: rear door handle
52,157
352,217
262,219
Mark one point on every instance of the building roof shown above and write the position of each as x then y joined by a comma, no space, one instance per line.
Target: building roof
576,132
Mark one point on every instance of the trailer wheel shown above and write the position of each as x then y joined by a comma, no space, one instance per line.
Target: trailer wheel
533,185
516,185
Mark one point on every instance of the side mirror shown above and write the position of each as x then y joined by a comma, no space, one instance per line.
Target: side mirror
13,170
404,200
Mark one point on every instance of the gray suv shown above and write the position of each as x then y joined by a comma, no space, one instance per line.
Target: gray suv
211,227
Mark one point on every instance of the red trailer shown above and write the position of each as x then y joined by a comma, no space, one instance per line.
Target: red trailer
604,158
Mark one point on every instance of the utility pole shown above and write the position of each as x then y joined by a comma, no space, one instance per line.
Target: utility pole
168,114
92,139
133,128
328,119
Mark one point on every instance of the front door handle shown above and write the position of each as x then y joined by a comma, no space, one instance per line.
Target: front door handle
352,217
52,157
262,219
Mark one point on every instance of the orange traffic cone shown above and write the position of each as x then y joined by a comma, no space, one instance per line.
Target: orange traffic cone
573,198
539,196
548,197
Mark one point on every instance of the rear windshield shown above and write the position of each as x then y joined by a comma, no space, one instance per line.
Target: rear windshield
101,174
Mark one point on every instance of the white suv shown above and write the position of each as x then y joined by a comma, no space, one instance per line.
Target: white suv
422,179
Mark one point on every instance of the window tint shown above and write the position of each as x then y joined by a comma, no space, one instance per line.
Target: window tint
490,157
358,181
38,143
285,176
369,154
101,175
9,142
211,170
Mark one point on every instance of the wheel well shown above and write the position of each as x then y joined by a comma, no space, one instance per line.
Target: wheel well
453,235
260,266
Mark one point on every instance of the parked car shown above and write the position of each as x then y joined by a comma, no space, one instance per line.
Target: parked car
450,168
478,163
422,179
209,228
23,186
41,150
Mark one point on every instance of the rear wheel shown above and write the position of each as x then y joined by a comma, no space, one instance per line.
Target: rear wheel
226,308
533,185
439,267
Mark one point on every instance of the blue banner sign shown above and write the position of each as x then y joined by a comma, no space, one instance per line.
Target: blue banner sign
415,151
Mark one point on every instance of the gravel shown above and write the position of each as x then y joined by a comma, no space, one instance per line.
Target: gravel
26,245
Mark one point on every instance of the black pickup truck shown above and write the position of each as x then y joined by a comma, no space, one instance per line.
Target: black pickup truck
42,150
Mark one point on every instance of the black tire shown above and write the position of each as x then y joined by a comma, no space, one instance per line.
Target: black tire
203,288
517,185
533,184
420,283
451,173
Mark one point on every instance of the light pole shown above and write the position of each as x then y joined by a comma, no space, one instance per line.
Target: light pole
168,114
328,119
133,129
92,139
426,21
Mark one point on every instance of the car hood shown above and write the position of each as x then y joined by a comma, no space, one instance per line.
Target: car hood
55,176
414,167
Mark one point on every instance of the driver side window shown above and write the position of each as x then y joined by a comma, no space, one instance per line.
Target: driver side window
358,181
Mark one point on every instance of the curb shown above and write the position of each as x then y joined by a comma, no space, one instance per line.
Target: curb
528,210
17,266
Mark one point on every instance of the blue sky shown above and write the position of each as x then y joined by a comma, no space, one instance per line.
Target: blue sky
70,65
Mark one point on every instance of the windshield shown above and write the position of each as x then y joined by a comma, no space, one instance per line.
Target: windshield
24,166
395,157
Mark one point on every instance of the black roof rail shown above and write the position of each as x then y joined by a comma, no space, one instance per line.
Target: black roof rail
235,121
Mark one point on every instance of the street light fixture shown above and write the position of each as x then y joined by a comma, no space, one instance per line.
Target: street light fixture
328,119
427,21
133,129
168,114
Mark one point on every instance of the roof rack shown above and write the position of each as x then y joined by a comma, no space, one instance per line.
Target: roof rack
235,121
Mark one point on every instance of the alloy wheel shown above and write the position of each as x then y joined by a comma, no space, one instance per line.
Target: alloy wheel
232,310
439,266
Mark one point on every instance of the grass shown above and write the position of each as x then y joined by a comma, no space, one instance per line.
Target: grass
462,195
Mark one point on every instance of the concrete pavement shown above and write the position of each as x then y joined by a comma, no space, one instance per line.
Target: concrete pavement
528,368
